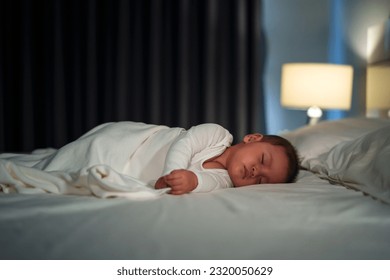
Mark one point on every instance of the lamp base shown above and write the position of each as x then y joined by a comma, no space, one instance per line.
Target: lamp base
314,114
312,121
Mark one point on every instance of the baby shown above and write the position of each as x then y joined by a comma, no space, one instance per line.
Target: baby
116,157
203,159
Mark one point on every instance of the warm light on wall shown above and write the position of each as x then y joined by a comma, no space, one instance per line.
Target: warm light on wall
378,42
316,86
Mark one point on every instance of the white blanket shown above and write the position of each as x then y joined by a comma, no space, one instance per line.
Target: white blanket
112,160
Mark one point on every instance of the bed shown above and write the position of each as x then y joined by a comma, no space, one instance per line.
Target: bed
339,208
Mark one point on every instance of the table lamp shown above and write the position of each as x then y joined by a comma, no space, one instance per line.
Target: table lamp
316,86
378,90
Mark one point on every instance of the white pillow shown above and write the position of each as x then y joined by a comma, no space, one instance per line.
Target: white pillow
313,140
362,164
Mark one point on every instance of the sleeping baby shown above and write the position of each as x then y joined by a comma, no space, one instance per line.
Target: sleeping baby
124,157
203,159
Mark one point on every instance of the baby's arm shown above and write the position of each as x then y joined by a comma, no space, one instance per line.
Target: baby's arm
188,145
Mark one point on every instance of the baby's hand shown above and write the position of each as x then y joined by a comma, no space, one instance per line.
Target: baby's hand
180,181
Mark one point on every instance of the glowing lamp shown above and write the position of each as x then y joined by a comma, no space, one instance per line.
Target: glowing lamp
316,86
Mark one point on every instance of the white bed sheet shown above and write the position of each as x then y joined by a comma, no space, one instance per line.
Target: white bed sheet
311,219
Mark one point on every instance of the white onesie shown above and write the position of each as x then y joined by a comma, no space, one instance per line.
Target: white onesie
167,149
193,148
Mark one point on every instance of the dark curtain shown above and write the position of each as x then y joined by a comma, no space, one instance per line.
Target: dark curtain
67,66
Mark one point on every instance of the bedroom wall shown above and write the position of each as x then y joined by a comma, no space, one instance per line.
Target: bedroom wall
316,31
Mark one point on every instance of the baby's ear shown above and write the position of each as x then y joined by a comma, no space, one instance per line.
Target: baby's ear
254,137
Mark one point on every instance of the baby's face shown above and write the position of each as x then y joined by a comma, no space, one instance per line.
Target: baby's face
257,163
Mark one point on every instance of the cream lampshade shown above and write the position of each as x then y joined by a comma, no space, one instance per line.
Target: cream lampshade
378,90
316,86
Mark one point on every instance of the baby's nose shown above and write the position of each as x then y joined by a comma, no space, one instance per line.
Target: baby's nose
254,171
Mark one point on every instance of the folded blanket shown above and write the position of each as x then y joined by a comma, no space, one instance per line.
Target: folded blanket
112,160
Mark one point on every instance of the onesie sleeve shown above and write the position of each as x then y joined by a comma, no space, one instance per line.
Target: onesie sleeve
212,180
193,141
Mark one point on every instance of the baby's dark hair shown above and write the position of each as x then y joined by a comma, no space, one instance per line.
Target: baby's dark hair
291,152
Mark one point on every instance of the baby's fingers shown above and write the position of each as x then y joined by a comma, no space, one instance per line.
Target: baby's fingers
160,184
177,187
173,179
